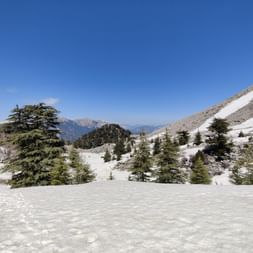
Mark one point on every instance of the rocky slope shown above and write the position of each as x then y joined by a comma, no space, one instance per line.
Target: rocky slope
237,110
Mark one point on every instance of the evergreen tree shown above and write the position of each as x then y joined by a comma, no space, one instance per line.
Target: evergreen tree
218,144
168,165
200,155
198,139
183,137
82,172
107,156
74,158
142,161
119,149
157,146
111,177
242,173
33,130
241,134
199,173
129,148
59,173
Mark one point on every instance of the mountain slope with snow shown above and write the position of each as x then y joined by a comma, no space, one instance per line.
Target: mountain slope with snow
237,110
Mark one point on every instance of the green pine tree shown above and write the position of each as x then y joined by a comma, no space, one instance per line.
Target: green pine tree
218,144
82,171
183,137
157,146
33,131
168,165
241,134
119,149
199,173
141,169
59,173
242,173
128,148
198,139
107,156
200,155
111,177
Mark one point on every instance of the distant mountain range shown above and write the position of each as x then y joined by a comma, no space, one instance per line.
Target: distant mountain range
71,130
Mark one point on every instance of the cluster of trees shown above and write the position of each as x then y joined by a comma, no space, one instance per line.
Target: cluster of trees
242,173
38,159
166,153
109,133
167,165
121,147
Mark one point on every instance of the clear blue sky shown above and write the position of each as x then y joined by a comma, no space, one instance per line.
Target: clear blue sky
126,61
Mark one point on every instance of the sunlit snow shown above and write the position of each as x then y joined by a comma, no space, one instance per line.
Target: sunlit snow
115,216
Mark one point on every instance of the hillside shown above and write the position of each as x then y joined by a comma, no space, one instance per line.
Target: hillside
109,133
71,130
237,110
126,217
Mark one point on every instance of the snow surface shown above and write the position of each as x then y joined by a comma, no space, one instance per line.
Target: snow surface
246,127
114,217
222,179
102,169
227,110
190,151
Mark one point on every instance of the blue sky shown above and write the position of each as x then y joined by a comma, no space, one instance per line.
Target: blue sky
127,61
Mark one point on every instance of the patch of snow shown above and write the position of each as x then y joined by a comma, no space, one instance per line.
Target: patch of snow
222,179
246,127
190,151
227,110
126,217
102,169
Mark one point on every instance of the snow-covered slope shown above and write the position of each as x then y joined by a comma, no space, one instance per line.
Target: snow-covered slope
102,169
229,109
238,111
114,217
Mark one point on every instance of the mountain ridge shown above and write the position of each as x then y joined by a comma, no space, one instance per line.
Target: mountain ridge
193,122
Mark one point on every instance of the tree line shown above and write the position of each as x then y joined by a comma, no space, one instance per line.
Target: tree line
39,153
39,156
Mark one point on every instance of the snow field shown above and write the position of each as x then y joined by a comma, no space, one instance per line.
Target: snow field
112,217
227,110
102,169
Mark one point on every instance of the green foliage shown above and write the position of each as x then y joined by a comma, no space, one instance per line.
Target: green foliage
142,162
218,144
33,131
129,148
198,139
242,173
119,149
200,155
107,156
110,133
199,173
168,166
241,134
157,146
111,177
59,173
82,172
183,137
